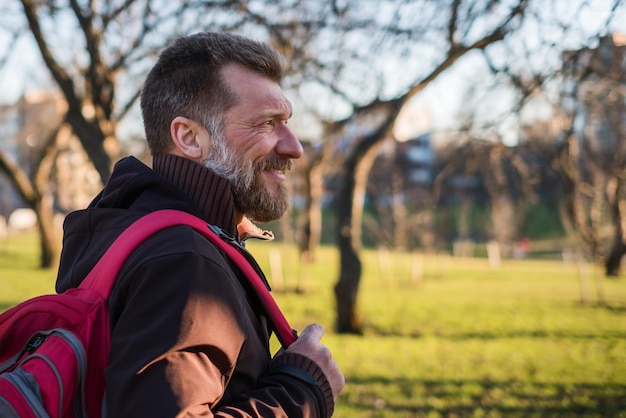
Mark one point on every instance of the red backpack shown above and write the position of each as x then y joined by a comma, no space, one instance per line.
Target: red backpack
54,348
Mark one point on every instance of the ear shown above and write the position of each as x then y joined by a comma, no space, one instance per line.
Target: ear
189,138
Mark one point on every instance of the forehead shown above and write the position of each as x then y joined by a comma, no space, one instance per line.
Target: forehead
258,94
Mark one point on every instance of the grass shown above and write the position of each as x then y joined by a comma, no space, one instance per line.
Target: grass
19,273
460,340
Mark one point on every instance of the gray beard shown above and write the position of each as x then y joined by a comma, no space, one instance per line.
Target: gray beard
251,196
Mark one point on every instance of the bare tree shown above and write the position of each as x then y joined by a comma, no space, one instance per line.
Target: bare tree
361,61
97,53
33,188
594,151
507,176
94,53
605,145
459,38
584,81
313,167
492,29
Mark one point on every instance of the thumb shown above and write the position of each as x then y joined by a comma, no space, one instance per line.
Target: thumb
312,332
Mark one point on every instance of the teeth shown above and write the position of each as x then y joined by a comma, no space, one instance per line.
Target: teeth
276,170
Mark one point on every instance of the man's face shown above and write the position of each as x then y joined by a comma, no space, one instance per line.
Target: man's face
256,146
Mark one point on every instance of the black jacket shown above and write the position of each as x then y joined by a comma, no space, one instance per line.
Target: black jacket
186,339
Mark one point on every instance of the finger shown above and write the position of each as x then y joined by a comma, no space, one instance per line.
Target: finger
313,331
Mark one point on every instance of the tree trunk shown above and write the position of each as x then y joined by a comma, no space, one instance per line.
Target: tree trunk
503,221
315,210
347,287
350,211
399,212
463,224
93,140
310,224
356,169
39,202
613,264
361,175
47,238
498,188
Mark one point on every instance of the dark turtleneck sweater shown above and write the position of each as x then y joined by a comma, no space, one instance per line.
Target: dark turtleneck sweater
211,194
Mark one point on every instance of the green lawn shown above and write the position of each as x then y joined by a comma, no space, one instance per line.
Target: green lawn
463,340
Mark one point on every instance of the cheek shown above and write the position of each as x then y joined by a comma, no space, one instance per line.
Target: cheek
251,144
255,150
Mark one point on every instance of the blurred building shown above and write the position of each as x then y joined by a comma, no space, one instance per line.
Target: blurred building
403,168
594,93
25,128
415,158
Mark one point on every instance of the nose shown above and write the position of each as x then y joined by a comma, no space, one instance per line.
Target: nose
288,145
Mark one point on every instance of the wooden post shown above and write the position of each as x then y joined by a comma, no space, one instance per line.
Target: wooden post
4,231
417,267
598,279
305,273
384,264
583,277
493,253
276,269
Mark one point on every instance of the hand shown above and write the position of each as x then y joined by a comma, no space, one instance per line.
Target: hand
308,344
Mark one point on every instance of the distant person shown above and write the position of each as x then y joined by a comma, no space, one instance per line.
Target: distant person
521,248
187,339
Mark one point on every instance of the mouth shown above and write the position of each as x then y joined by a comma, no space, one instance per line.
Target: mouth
277,174
276,168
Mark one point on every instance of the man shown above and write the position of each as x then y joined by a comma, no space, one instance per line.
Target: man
187,339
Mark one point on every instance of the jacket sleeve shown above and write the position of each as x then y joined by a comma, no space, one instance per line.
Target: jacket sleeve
185,342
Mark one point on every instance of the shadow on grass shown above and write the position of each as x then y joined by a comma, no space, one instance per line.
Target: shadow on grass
465,398
620,309
496,335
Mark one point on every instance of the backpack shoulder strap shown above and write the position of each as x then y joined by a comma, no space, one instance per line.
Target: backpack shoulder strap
104,273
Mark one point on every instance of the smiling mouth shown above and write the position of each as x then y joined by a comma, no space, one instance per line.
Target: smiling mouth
276,165
277,173
281,169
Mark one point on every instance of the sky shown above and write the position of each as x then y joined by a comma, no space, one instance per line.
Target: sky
436,108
